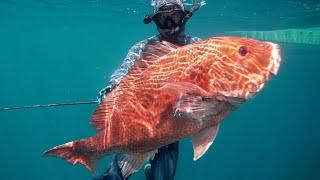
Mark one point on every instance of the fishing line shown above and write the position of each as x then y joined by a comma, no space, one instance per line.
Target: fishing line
48,105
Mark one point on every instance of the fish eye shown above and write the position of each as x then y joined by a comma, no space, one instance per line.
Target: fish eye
243,51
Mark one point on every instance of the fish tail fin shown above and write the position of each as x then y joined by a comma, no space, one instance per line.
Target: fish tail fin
73,155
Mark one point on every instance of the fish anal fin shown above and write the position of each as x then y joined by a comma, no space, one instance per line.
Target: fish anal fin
130,163
203,140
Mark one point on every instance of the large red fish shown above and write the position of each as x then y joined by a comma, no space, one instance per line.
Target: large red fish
172,93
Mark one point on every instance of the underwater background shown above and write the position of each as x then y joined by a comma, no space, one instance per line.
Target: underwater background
65,50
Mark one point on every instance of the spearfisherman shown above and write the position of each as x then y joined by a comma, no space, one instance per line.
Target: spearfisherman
170,17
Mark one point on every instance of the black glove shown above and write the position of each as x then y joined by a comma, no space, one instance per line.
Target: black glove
103,92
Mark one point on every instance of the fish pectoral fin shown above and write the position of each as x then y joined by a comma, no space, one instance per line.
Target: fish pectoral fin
194,107
203,140
234,101
130,163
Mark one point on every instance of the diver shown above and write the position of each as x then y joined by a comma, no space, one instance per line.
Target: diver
170,18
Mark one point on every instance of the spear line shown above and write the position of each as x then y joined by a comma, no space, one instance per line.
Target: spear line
48,105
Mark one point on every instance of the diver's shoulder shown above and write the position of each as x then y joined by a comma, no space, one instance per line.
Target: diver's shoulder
143,43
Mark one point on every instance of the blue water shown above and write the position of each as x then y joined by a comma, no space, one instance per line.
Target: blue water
64,51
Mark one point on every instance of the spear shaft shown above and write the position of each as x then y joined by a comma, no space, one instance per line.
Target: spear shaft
48,105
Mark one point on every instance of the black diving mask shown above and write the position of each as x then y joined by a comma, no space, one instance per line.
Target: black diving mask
167,17
169,20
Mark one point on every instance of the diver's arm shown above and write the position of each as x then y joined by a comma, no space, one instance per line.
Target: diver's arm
133,54
114,172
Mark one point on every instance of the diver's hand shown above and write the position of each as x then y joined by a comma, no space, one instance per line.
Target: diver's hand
103,92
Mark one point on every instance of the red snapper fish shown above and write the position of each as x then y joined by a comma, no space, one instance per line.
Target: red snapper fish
171,93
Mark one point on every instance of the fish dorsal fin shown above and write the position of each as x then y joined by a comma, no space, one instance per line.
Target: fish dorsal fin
130,163
203,140
151,53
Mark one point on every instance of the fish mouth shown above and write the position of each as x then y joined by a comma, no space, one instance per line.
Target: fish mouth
275,58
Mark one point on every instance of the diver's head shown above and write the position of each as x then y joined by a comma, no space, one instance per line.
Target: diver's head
169,16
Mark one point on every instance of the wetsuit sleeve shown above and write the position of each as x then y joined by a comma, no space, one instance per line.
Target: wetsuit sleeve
133,55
